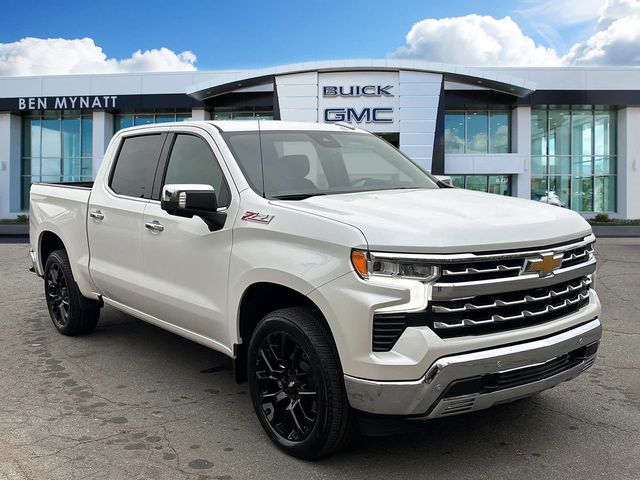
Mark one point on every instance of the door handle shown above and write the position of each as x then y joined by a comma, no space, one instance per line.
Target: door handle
154,226
96,215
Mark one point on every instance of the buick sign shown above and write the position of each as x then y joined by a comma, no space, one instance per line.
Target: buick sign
357,91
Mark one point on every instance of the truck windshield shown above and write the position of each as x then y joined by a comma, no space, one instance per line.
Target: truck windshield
299,164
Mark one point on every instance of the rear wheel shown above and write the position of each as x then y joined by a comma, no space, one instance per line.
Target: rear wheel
71,313
296,384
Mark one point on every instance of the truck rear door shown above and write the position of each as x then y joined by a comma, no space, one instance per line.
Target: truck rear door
115,225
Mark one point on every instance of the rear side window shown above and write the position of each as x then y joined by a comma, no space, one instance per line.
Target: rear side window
192,161
136,165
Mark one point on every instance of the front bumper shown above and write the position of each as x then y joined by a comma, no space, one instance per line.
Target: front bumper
474,381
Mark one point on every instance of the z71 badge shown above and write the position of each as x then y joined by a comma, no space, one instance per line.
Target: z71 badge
257,217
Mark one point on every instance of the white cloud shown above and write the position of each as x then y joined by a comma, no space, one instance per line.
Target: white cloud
474,40
561,12
57,56
484,40
618,44
616,40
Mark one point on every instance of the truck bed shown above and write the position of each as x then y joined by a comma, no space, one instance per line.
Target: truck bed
61,209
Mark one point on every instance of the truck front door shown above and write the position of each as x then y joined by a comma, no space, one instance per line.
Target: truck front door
185,264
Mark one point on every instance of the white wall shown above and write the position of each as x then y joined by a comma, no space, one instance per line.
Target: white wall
629,163
9,165
419,97
102,133
521,144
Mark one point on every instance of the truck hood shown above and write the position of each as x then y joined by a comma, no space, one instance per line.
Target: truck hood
446,220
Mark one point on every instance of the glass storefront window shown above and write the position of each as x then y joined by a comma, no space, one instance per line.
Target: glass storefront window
496,184
499,132
454,132
56,147
126,120
539,121
574,157
477,131
457,181
559,133
247,113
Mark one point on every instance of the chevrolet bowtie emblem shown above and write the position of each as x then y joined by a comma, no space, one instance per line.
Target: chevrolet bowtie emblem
545,265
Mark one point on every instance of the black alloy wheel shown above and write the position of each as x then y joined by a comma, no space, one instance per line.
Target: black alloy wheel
287,386
57,293
297,385
71,312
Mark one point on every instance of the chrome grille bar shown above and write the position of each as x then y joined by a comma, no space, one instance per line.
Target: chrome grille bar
525,314
501,303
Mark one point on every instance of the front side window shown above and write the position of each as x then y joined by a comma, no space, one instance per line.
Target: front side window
192,162
136,165
281,164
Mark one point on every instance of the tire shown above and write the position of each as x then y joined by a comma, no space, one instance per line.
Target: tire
292,356
70,311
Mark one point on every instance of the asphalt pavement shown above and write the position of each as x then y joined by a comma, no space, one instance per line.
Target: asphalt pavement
134,401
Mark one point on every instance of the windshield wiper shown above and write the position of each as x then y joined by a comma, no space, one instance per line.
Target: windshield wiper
297,196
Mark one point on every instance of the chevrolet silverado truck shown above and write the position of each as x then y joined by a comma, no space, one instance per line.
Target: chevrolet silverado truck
343,280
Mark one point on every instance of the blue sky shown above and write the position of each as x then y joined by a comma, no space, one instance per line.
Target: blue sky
117,36
229,34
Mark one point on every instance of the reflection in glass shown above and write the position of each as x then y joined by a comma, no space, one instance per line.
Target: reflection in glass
454,132
56,146
582,194
559,165
605,194
477,182
499,184
580,145
539,132
561,186
499,132
476,132
457,181
559,133
538,165
582,131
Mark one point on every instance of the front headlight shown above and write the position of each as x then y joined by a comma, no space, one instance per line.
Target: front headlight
369,264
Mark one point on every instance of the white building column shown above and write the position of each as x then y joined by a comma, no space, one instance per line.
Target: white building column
10,130
419,96
628,163
200,114
521,144
102,133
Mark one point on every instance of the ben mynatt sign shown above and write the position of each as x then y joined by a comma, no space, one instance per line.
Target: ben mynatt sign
68,103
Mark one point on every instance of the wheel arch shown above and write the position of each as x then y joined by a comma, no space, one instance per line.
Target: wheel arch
48,243
259,299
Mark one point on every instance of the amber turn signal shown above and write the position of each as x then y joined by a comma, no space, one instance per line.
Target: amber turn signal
359,261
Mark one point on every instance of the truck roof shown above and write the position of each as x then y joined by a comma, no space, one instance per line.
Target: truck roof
252,125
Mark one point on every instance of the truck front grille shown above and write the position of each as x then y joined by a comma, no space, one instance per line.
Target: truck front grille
482,294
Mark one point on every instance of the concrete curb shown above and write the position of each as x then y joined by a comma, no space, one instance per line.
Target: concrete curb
14,230
616,230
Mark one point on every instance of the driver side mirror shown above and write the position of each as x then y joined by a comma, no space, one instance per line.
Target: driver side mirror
191,200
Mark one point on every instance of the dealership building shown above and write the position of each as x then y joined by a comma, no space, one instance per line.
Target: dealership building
564,135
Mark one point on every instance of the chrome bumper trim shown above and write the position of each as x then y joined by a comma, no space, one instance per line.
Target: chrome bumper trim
422,396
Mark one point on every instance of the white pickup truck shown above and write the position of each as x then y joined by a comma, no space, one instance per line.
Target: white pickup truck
345,281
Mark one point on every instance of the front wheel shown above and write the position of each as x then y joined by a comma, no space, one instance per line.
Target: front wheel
70,311
296,384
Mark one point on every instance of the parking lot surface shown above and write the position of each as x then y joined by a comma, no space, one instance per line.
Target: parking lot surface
133,401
